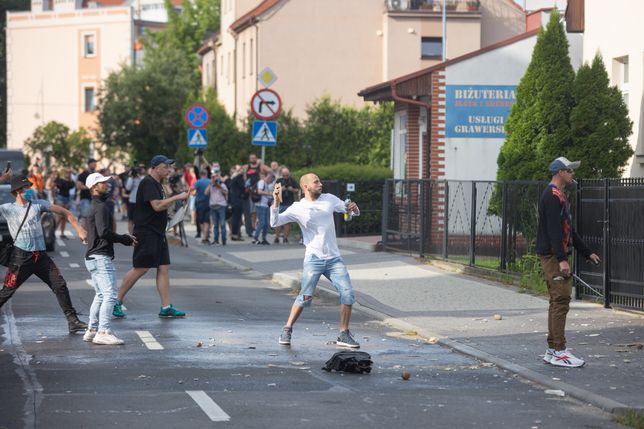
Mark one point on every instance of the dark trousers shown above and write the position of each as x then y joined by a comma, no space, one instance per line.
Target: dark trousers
23,264
248,216
237,207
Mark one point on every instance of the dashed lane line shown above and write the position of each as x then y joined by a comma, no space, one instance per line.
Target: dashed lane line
210,407
64,254
73,265
60,243
149,340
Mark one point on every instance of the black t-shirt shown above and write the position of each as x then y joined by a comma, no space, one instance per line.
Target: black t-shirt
288,198
145,217
64,186
253,173
84,193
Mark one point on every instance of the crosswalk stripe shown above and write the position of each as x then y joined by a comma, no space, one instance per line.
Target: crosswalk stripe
149,340
73,265
210,407
60,243
64,254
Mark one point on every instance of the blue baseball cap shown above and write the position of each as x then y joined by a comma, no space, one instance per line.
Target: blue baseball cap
562,163
161,159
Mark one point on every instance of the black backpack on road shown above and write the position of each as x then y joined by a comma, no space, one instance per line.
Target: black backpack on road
349,361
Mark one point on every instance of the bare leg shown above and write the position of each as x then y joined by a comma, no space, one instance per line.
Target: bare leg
131,277
205,231
163,284
345,316
286,231
296,310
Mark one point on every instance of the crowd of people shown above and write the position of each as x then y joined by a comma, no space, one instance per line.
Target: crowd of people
225,206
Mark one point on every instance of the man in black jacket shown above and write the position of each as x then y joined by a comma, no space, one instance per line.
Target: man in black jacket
555,236
98,260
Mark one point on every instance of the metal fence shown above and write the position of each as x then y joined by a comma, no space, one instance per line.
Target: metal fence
368,195
493,225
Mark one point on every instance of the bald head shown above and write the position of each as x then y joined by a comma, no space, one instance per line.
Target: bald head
311,185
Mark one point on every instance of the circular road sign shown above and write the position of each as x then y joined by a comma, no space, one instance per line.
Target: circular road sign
266,104
197,116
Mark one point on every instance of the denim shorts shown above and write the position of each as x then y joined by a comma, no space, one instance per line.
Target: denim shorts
334,270
84,207
62,201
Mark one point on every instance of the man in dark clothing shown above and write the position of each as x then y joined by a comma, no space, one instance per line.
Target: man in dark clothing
289,190
150,221
555,235
254,170
85,196
98,260
28,256
236,198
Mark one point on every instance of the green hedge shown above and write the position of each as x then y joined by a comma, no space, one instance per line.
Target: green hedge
346,172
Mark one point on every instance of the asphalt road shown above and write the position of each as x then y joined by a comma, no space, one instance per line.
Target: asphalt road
221,366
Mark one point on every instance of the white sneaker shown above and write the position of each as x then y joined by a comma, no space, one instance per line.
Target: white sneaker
547,356
107,338
567,359
89,335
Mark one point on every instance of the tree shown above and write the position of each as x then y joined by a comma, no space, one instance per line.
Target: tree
55,140
538,127
141,109
600,124
5,6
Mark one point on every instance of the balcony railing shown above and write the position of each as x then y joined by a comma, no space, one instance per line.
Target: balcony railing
432,5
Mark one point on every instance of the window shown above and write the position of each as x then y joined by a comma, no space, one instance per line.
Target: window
89,45
399,155
431,47
243,60
90,99
250,62
621,76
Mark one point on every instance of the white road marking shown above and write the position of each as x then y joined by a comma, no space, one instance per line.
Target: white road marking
64,254
210,407
89,282
73,265
60,243
32,388
149,340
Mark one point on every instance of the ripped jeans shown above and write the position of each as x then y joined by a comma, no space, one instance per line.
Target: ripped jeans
334,270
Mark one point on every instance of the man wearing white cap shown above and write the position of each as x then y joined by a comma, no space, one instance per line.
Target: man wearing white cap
555,235
98,260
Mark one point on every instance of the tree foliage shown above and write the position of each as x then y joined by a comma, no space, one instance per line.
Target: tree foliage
600,124
5,6
56,140
538,127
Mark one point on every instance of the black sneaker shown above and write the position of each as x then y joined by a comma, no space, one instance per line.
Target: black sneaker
285,336
346,340
285,240
254,241
264,242
277,240
75,325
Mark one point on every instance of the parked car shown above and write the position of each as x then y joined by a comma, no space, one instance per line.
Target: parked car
48,221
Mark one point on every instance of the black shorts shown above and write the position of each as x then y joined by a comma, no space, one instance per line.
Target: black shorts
130,211
203,213
151,251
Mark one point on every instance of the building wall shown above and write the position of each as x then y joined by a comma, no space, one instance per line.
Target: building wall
403,37
616,33
475,158
46,71
500,20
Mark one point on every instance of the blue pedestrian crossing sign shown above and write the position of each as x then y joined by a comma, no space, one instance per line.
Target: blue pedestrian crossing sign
197,138
265,133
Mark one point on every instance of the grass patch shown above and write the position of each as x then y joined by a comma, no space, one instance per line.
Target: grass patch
489,262
632,419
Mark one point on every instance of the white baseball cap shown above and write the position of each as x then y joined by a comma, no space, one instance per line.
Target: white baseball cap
95,178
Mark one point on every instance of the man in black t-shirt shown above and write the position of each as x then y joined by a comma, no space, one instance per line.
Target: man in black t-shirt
85,195
289,190
62,186
150,221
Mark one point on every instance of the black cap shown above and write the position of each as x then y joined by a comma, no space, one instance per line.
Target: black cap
89,161
161,159
19,182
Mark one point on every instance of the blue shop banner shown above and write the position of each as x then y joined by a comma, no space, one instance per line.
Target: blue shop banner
478,111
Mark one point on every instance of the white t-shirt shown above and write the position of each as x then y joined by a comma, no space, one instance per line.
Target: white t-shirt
266,187
316,222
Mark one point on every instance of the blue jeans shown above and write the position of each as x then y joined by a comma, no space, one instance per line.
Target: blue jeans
218,219
262,222
103,275
334,270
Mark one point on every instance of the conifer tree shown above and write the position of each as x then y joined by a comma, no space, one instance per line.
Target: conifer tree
538,127
600,124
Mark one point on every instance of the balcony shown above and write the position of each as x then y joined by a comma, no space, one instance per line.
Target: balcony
432,5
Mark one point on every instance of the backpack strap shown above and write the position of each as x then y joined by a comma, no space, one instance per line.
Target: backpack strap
23,221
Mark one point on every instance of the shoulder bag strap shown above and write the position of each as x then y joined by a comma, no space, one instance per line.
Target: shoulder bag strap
23,220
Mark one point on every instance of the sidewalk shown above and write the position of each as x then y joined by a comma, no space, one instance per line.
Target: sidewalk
459,312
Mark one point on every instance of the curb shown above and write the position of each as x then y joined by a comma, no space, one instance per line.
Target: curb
354,244
599,401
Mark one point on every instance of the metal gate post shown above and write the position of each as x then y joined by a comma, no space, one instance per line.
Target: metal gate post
473,224
606,247
578,196
446,220
421,213
504,226
385,213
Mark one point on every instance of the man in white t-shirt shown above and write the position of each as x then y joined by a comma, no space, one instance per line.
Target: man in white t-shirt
314,214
